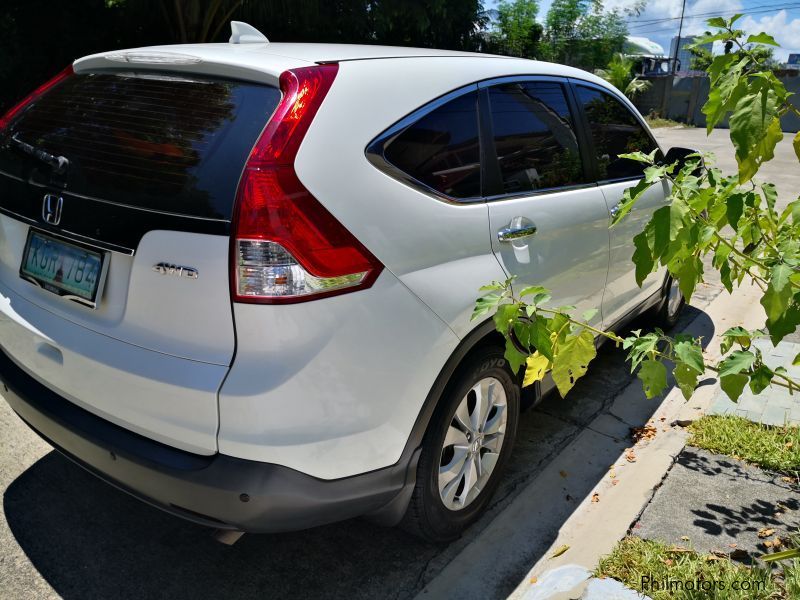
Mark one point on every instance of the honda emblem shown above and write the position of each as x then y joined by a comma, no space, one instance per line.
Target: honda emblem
51,209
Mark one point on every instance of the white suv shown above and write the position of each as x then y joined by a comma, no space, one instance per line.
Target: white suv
236,279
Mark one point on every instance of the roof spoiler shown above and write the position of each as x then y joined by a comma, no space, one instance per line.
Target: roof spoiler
242,33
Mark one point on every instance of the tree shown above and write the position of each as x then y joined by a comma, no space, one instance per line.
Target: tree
581,33
702,57
726,216
517,31
619,73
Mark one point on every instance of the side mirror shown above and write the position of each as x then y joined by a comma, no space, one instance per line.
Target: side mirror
679,155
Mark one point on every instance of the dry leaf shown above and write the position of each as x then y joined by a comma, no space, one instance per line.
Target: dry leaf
534,579
789,444
595,498
630,455
646,432
559,551
787,479
668,561
732,545
768,544
777,542
685,538
765,532
562,473
615,482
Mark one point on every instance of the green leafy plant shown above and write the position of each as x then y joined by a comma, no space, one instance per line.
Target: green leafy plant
727,216
517,32
619,73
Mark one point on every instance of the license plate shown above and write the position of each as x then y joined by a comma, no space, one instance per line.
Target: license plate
63,268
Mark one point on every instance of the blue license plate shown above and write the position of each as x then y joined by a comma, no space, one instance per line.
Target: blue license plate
62,268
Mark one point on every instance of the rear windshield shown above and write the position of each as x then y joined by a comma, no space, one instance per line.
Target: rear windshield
167,143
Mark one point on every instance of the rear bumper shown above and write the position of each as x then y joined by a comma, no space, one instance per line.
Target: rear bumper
218,491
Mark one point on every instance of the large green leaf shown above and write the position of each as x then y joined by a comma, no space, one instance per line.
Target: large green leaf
686,378
735,208
691,354
736,362
535,335
755,129
762,38
689,275
642,257
784,324
505,316
485,304
514,358
572,360
760,378
738,335
654,377
733,385
777,301
725,92
629,198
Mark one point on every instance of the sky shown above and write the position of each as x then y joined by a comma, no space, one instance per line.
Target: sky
660,18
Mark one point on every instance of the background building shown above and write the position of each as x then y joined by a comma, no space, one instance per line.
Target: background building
684,56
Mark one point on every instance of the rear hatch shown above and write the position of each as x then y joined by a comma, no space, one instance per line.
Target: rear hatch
138,171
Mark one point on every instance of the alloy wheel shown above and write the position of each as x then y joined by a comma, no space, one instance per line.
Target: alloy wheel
472,444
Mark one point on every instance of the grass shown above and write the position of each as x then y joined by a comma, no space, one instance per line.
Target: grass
772,448
674,570
656,122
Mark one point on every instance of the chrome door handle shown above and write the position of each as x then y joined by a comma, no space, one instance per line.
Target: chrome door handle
511,233
615,209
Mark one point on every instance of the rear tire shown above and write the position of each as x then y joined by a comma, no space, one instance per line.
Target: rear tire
465,449
670,310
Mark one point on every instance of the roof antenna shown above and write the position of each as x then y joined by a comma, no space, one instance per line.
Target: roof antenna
242,33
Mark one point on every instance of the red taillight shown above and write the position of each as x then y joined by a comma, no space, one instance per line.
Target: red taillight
286,247
33,96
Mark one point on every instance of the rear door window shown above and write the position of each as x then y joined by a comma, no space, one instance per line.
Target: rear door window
615,130
441,150
170,143
534,137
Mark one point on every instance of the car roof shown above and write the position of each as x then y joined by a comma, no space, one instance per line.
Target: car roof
341,52
265,61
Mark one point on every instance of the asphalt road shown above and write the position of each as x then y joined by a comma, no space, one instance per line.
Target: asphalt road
64,533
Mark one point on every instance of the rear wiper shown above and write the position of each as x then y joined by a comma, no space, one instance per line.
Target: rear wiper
59,164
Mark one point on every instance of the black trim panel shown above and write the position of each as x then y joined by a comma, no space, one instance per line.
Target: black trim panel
218,491
106,225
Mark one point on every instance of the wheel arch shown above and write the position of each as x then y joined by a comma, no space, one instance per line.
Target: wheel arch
483,336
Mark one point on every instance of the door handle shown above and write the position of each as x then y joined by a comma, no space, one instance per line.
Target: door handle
615,209
516,232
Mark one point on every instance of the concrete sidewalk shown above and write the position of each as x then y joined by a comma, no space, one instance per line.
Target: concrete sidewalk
774,406
715,503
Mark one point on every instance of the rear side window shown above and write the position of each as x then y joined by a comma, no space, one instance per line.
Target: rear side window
534,137
615,130
168,143
442,150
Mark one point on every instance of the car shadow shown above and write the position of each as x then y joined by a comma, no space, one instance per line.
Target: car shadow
90,540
